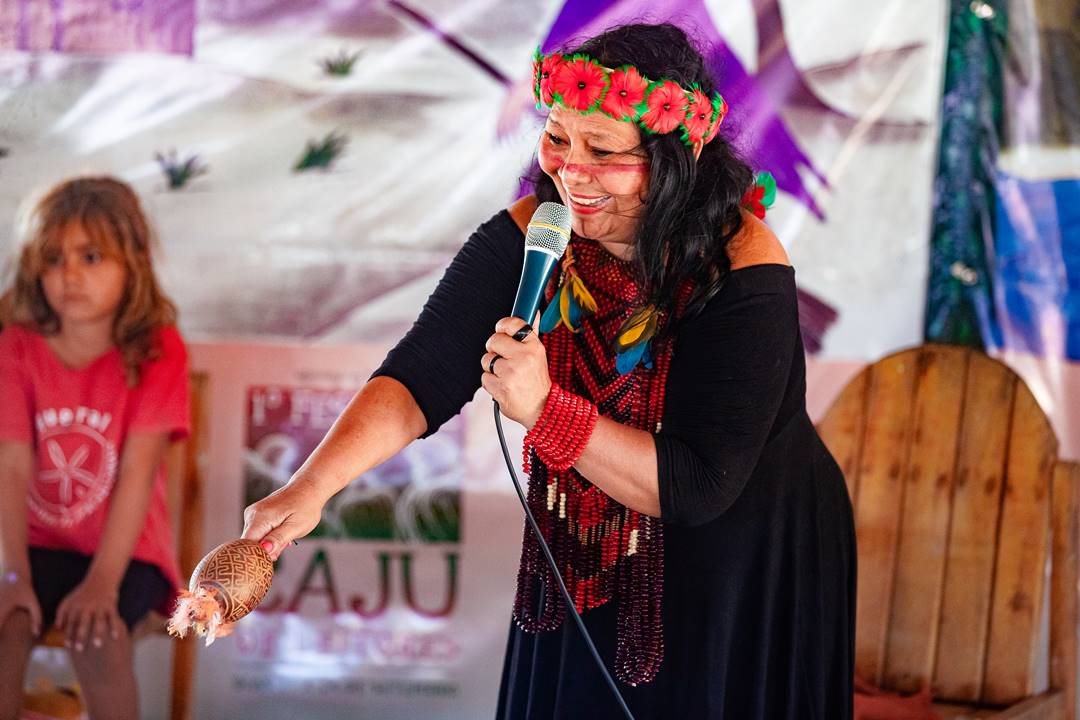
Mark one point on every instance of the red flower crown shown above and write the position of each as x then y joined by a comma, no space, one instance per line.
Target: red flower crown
580,83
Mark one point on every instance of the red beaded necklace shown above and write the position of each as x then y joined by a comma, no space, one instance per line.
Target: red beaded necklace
604,550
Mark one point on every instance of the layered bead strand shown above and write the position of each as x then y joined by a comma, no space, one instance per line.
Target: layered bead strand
604,550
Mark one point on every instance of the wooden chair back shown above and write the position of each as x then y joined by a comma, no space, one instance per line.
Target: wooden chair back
960,502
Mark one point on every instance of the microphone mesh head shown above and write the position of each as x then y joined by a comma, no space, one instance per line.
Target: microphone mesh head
549,228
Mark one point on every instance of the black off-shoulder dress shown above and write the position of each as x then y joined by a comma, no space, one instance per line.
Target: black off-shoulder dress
759,542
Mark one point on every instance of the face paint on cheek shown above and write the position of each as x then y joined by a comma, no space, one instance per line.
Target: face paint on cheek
608,169
618,179
550,160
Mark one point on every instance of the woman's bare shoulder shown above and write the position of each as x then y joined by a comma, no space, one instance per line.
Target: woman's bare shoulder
756,244
522,210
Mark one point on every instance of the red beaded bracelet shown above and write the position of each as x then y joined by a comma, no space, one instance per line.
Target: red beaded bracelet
562,430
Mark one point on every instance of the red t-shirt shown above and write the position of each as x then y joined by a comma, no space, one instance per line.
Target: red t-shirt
76,421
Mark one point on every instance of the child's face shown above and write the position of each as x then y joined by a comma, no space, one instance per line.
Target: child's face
83,283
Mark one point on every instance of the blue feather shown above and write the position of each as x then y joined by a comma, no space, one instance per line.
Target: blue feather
575,310
628,360
551,317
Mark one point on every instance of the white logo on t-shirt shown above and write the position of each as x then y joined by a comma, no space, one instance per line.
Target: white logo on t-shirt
76,470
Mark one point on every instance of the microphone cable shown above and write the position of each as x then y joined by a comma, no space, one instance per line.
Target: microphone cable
555,568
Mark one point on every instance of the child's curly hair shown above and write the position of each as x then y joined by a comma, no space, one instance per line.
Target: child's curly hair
110,213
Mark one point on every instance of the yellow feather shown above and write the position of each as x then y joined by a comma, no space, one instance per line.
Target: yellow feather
581,294
638,327
630,335
564,309
633,329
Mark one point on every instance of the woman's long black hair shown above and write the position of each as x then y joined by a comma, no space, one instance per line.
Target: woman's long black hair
692,209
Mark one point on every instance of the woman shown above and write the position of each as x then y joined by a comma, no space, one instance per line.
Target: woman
704,530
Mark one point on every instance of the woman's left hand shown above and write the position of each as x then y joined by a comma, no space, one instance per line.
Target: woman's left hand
88,614
519,379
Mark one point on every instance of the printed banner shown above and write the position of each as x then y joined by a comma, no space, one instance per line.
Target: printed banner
398,604
98,26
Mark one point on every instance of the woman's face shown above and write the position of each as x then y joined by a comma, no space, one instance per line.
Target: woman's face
601,172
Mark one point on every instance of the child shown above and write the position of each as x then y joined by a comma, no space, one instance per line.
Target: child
93,381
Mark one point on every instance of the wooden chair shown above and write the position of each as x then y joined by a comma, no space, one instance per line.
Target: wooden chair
960,501
185,497
187,463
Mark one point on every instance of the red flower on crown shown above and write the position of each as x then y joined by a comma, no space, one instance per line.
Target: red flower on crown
666,103
545,71
720,108
579,84
626,92
699,118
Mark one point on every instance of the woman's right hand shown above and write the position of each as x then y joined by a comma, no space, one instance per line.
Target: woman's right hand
288,513
17,594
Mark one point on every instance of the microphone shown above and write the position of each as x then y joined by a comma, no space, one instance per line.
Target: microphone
546,238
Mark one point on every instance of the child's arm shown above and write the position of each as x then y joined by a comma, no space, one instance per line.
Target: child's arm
90,609
16,467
